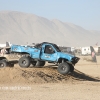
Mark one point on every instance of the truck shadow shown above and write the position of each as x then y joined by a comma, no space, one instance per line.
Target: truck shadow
78,75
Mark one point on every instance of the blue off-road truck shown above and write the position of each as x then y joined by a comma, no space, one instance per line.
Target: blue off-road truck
40,53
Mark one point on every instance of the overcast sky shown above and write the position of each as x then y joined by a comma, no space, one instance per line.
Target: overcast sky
85,13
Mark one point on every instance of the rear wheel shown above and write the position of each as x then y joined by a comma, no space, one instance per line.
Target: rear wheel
63,68
3,63
24,62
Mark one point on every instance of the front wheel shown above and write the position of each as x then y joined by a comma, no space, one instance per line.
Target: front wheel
63,68
24,62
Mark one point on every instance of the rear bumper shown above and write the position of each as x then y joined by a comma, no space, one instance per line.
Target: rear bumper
75,60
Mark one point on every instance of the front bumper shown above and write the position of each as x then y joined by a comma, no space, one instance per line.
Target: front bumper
75,60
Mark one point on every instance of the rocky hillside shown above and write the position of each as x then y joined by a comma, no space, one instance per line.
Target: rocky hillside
22,28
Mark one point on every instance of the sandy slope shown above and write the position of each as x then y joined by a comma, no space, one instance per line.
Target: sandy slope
47,84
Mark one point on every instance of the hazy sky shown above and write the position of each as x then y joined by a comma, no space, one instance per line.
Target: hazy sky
85,13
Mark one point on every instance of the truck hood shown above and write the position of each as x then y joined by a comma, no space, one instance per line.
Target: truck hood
66,55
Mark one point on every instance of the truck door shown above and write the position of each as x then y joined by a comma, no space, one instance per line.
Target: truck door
35,53
48,53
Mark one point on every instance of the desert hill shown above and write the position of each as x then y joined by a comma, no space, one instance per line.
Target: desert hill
22,28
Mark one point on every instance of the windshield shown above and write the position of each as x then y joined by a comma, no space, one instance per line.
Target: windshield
40,45
57,48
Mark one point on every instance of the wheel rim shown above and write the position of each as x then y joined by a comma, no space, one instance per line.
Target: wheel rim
24,62
63,68
1,65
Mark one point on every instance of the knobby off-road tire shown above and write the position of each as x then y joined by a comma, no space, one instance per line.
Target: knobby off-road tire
24,62
3,63
63,68
40,63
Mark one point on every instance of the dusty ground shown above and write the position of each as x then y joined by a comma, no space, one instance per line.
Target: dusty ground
47,84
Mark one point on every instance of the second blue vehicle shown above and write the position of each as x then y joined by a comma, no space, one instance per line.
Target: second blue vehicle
40,53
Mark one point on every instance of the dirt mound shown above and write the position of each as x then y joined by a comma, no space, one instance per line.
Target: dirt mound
31,75
39,75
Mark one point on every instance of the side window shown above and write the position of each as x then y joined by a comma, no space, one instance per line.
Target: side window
49,49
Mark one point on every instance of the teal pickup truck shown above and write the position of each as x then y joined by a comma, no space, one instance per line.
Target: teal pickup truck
45,52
